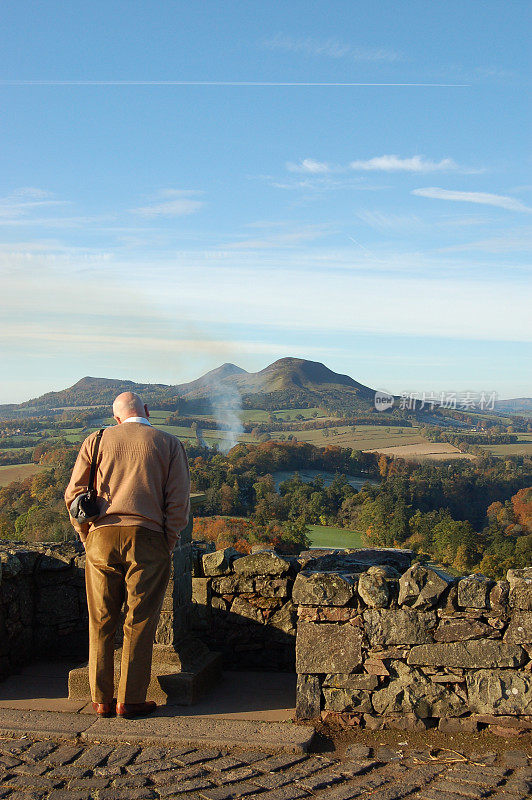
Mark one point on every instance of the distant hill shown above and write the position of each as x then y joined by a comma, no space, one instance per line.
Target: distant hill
286,382
518,405
91,392
309,379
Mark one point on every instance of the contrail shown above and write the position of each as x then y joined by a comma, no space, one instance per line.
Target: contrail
365,249
216,83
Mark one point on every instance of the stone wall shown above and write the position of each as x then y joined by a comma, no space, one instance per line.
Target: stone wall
244,606
416,649
43,607
43,610
375,640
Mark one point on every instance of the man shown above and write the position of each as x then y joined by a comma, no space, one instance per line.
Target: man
143,488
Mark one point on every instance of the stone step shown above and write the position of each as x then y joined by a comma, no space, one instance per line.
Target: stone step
169,684
42,724
160,729
270,737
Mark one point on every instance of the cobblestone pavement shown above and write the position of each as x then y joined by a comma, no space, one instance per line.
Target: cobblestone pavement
34,770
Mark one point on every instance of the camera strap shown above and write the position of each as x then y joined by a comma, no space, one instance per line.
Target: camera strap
92,474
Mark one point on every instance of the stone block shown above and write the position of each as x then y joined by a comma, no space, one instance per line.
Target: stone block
308,697
519,631
10,566
242,610
323,588
219,562
355,681
373,588
198,548
356,561
399,626
470,655
28,561
408,690
375,666
499,596
458,725
459,630
473,592
219,604
272,587
262,563
500,691
421,587
327,647
285,620
520,581
201,591
233,584
347,700
407,722
327,613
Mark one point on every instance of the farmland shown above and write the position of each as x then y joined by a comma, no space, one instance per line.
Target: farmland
401,442
404,442
423,451
522,447
17,472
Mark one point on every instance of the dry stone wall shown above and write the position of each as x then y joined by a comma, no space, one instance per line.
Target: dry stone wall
43,610
416,649
242,607
375,640
43,606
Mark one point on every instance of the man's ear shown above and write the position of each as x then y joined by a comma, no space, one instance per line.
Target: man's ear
146,410
118,420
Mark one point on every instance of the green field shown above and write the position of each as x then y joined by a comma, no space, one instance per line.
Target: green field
323,536
521,448
17,472
364,437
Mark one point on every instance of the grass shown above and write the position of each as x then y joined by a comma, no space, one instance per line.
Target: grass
520,448
324,536
17,472
365,437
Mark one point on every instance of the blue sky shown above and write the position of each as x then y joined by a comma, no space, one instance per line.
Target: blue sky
187,184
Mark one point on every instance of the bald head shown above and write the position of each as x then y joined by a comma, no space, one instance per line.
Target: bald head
129,404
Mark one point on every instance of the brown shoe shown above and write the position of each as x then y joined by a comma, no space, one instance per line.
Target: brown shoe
135,709
105,709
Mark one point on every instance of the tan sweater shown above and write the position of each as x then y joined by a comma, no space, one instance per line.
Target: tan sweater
142,479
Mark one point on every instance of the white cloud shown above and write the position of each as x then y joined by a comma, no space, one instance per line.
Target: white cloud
393,163
24,200
483,198
284,238
330,48
383,221
309,165
171,203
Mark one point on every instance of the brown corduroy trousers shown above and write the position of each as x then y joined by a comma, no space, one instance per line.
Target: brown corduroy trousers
128,563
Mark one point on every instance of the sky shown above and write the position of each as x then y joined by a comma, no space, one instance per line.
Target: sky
187,184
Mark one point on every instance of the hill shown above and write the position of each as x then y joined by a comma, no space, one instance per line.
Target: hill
290,375
286,382
518,405
91,391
